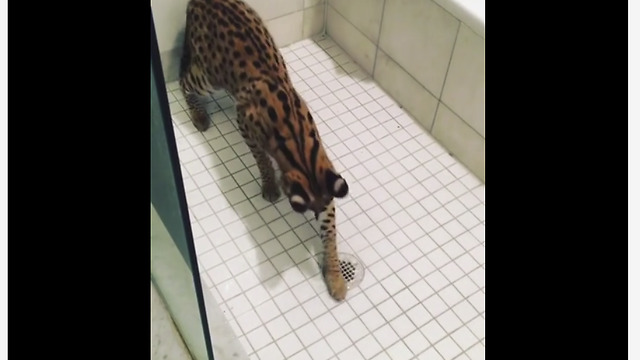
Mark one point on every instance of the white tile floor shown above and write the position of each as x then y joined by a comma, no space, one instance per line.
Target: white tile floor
414,216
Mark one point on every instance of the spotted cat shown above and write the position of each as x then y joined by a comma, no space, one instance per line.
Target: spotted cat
228,46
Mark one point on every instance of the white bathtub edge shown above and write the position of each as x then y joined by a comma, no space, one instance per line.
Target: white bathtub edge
470,12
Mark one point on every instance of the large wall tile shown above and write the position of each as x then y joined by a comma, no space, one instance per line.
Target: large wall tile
419,35
275,8
361,49
464,88
405,90
365,15
310,3
286,29
313,22
460,139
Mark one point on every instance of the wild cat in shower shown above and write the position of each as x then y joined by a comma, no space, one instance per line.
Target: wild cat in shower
228,46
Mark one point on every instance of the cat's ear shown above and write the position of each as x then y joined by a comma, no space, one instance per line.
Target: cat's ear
298,197
336,184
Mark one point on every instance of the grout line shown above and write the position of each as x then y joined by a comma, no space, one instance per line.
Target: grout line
324,20
453,50
459,117
265,20
375,58
444,81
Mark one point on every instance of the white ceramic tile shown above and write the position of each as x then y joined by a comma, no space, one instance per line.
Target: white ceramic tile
436,280
402,325
464,142
478,191
389,309
477,327
408,275
326,323
247,280
229,289
452,271
419,315
278,327
407,91
321,350
416,342
289,345
361,49
452,248
381,356
237,265
477,276
259,337
430,354
478,211
454,228
338,340
450,295
248,321
308,334
476,352
443,196
372,319
469,200
315,308
343,313
448,348
392,284
464,88
433,331
465,286
419,36
355,329
376,293
385,335
301,355
368,346
464,338
477,300
351,353
478,254
365,15
449,321
270,352
228,250
399,351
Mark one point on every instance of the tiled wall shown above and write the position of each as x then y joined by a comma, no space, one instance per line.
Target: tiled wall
428,60
288,21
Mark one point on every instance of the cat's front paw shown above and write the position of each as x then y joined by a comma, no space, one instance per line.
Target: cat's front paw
336,285
200,121
270,192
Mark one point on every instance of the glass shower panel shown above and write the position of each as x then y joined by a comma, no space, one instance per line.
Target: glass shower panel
174,268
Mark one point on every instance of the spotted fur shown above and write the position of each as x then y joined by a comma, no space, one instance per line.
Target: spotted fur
228,46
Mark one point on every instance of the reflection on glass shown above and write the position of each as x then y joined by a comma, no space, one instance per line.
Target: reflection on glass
174,268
